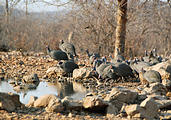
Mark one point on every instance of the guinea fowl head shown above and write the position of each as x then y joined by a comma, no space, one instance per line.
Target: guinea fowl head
61,41
48,48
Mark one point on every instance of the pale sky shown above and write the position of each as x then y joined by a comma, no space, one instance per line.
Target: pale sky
38,6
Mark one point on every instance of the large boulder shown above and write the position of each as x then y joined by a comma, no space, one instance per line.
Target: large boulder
151,108
148,109
43,101
164,104
156,88
94,103
164,68
120,95
9,101
112,110
71,104
133,109
30,78
54,72
82,73
31,101
55,105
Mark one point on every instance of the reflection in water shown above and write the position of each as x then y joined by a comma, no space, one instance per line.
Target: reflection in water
64,89
75,91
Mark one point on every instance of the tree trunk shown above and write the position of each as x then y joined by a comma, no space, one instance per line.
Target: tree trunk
6,11
70,36
26,7
121,27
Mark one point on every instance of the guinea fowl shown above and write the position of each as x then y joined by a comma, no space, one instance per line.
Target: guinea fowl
150,76
97,62
138,65
92,56
123,70
57,54
68,66
104,69
146,56
67,47
153,59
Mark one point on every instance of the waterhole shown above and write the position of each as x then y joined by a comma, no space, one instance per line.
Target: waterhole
72,89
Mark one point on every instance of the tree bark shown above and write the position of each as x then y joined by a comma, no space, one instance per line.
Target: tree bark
26,7
121,27
7,11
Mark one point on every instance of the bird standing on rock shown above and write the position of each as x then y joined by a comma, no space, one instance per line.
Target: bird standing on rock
56,54
67,47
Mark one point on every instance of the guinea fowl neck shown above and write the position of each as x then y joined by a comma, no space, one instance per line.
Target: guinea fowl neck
88,53
48,49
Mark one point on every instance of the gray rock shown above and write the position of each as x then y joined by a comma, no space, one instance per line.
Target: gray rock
156,88
163,104
82,73
148,109
133,109
164,68
119,95
112,110
151,108
54,72
71,104
43,101
122,94
55,105
31,101
9,101
94,103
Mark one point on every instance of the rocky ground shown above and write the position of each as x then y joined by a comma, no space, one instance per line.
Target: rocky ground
131,100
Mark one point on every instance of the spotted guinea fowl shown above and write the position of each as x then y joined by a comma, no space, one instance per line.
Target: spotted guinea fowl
92,56
150,76
68,66
67,47
138,65
57,54
97,62
123,70
153,59
104,69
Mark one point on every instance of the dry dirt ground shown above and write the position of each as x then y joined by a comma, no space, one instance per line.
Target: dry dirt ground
15,65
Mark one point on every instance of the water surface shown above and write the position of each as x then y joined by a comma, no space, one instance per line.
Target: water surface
74,90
